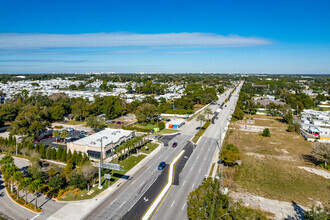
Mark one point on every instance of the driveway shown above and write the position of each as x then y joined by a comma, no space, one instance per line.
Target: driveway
15,211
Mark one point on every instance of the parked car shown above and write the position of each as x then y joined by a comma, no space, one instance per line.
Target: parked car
83,132
70,129
161,165
119,122
174,144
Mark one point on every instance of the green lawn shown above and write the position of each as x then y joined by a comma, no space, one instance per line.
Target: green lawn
128,164
146,126
167,131
151,147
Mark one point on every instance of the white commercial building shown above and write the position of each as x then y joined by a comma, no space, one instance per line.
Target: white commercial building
104,141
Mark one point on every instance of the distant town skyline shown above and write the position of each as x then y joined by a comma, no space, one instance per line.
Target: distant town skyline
274,37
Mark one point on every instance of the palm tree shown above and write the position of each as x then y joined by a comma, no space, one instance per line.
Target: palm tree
34,188
201,119
18,176
24,184
208,112
56,133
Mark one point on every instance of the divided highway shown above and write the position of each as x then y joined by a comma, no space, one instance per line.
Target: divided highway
141,189
197,167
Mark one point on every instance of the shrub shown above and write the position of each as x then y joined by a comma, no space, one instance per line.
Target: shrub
58,126
266,133
230,154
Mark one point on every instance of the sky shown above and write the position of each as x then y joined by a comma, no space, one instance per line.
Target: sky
165,36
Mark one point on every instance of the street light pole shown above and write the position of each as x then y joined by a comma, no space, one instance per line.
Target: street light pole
100,164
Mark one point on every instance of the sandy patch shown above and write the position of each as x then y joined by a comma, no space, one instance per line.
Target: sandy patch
280,209
261,156
319,172
252,128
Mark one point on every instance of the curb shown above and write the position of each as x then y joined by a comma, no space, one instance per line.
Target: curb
35,212
119,182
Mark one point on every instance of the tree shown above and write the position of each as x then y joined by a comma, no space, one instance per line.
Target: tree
161,125
77,180
238,113
95,123
55,134
57,112
146,112
208,112
288,117
317,213
266,133
68,155
63,158
42,151
18,176
30,122
64,134
68,168
88,171
207,202
34,187
53,154
59,153
7,160
201,119
24,184
56,182
230,155
321,152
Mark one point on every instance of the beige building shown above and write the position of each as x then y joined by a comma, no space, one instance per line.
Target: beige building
108,138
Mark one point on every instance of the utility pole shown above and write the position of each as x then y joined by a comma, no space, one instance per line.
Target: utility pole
100,164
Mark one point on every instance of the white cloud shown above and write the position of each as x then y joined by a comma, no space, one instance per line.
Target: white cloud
97,40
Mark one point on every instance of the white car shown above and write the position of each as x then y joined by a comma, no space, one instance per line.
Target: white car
70,129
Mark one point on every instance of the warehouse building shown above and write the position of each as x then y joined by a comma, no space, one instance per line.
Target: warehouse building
108,138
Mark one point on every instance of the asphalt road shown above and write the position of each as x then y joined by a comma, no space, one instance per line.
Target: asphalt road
123,200
8,207
193,173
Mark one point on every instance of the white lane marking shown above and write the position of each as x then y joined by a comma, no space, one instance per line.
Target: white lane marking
172,203
193,186
205,158
142,183
197,157
191,168
183,183
161,195
122,204
199,170
35,216
183,206
209,149
134,181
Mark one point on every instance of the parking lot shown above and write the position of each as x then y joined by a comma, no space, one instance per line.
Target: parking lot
73,135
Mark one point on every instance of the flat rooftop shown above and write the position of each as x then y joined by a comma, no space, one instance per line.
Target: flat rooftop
108,136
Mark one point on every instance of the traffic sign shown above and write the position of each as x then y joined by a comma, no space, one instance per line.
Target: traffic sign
111,166
107,176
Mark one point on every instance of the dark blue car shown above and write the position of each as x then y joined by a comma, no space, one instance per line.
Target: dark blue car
161,165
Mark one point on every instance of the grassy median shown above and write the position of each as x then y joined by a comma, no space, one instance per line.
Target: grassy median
201,131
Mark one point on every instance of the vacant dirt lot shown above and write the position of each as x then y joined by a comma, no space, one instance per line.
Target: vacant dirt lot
270,165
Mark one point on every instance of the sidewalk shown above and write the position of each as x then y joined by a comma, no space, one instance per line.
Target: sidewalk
79,209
